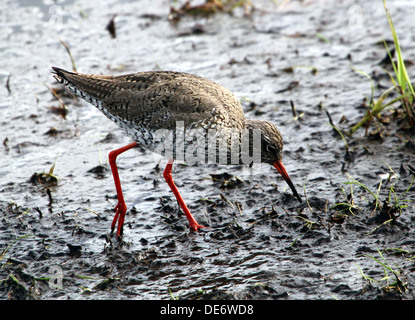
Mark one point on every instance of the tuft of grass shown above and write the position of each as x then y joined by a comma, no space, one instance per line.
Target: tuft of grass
45,178
400,203
307,222
376,107
402,85
392,280
389,206
348,205
12,243
405,85
375,195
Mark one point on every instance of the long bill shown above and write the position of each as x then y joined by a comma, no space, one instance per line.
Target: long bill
281,169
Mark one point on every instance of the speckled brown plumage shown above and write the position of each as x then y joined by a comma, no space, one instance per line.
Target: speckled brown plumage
146,102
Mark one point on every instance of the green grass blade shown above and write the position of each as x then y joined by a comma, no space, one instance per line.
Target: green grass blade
400,71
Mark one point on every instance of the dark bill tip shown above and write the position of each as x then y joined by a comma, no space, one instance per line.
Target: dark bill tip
281,169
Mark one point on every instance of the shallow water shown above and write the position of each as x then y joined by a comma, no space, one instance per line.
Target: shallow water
261,244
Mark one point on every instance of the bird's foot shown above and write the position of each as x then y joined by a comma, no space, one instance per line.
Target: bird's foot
120,211
194,226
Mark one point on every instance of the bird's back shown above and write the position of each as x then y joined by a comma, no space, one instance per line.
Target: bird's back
158,99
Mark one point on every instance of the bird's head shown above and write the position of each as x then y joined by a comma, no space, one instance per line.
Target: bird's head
271,148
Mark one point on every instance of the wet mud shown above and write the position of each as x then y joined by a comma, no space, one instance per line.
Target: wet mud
288,64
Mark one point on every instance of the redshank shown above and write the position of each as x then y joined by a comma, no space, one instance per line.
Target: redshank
156,105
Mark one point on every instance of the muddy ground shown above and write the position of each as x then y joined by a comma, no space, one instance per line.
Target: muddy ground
263,244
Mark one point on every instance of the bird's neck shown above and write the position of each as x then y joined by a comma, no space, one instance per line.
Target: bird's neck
252,124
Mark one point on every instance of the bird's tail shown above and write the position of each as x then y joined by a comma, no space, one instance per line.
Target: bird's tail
91,88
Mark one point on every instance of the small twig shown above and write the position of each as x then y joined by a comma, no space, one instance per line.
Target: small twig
330,120
226,200
111,27
293,109
239,208
8,83
56,96
69,53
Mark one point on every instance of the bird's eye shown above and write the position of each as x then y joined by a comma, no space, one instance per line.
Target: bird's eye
270,149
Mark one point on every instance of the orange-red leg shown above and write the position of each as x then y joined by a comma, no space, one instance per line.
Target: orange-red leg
169,179
121,207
